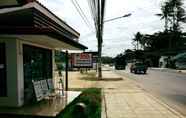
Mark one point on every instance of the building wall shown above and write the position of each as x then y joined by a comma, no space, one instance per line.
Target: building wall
12,64
20,73
15,72
21,43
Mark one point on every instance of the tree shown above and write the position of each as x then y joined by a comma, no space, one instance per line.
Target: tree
173,13
165,9
129,54
120,61
107,60
138,39
177,14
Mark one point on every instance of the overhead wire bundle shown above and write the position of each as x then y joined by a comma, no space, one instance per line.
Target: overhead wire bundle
82,14
97,8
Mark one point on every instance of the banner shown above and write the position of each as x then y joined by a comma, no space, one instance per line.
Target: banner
82,60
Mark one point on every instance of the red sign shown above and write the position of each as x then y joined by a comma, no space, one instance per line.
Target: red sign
82,60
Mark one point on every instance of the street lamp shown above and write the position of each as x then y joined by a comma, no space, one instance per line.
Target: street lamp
126,15
99,36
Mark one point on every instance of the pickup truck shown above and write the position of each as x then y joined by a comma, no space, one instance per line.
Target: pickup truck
138,67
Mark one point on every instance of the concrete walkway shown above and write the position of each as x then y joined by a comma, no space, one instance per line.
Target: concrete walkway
124,98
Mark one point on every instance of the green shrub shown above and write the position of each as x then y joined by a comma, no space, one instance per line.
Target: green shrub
91,98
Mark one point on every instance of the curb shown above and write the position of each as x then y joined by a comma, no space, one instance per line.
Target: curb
104,106
169,108
165,105
168,70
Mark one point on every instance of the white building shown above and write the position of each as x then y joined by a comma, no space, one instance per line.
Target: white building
29,34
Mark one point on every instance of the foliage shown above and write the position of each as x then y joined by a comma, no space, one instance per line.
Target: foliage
140,55
163,41
59,56
60,60
173,13
91,98
90,76
177,14
172,38
138,38
165,8
128,56
120,59
107,60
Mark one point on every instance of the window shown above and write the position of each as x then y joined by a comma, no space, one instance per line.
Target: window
37,63
37,66
3,79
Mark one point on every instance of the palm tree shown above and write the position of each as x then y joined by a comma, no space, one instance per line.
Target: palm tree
177,14
165,8
181,17
138,38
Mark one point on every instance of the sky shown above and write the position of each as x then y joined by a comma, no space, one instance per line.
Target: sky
118,33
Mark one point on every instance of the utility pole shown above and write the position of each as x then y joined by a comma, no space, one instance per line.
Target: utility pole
99,37
97,9
66,71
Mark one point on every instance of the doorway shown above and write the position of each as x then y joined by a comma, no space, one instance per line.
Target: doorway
3,78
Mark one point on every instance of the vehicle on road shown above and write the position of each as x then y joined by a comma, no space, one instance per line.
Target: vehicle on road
138,67
120,63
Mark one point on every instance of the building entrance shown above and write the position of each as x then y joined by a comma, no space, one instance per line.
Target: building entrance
3,81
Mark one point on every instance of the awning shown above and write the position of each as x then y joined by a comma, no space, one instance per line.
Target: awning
34,19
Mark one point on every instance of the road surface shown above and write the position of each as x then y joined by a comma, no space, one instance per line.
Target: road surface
170,87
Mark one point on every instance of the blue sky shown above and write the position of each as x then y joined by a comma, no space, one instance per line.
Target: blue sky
118,34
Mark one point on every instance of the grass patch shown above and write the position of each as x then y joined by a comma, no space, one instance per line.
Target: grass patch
90,76
91,98
77,89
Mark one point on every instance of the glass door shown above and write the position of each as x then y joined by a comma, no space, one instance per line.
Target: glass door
3,81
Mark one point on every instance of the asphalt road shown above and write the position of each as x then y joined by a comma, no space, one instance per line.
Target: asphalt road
170,87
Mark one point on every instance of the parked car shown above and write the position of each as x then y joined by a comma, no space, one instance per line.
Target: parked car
138,67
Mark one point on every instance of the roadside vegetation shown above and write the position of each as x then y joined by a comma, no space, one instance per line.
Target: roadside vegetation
91,98
168,42
91,76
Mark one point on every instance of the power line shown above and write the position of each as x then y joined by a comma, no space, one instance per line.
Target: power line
93,9
81,13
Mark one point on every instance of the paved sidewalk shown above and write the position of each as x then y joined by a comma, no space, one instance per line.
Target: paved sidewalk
125,99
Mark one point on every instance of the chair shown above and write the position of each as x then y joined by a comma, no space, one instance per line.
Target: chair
45,88
38,90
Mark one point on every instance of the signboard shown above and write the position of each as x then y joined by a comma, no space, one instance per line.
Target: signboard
82,60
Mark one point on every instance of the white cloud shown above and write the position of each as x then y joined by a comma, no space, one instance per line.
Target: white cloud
118,34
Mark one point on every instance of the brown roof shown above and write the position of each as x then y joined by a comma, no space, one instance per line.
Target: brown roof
34,18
